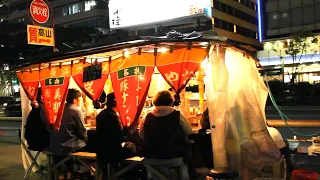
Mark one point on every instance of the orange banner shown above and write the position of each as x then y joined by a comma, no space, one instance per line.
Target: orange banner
54,85
99,72
178,67
131,79
30,83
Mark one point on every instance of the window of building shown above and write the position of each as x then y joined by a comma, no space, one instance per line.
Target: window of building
88,5
284,15
248,4
235,12
72,9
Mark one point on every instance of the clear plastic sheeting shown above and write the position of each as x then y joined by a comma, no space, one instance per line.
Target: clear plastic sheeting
236,96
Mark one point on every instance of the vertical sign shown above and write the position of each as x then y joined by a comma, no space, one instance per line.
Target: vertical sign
131,79
54,85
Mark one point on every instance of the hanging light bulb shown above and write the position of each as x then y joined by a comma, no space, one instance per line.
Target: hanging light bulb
126,53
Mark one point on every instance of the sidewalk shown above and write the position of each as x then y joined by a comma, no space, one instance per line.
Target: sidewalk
11,167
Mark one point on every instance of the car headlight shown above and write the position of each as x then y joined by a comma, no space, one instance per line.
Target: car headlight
5,104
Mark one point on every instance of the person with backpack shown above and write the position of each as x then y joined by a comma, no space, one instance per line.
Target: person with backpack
37,128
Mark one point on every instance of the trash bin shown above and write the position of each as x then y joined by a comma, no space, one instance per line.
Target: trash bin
304,175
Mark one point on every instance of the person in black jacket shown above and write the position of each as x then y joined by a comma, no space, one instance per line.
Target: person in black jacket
112,147
37,128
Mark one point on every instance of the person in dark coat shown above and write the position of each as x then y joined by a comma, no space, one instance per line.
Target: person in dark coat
204,140
37,129
112,147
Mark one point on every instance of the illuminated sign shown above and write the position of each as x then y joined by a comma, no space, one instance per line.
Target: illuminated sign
40,35
39,11
125,13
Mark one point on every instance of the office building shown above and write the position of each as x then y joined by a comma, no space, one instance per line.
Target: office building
282,19
237,20
285,17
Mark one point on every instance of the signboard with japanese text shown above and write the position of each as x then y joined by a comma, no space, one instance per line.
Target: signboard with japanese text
54,85
39,11
40,35
131,79
90,83
122,13
179,72
30,83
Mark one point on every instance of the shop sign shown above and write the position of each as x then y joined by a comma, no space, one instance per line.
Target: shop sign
130,86
39,11
91,78
122,14
30,82
40,35
54,85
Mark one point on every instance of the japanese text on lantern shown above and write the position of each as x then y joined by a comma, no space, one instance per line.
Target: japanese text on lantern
31,91
172,76
88,87
123,90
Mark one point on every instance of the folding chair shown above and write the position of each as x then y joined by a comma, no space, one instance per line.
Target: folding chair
34,159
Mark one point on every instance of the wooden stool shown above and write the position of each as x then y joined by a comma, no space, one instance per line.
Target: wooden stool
223,173
81,156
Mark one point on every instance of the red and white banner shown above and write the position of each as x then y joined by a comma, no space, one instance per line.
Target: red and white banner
178,67
131,79
93,89
54,85
30,83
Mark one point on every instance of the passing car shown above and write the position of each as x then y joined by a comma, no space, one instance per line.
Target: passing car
12,106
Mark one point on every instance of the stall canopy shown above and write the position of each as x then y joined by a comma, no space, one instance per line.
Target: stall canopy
130,66
236,94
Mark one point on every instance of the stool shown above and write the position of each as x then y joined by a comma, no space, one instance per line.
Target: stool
81,156
223,173
33,158
52,167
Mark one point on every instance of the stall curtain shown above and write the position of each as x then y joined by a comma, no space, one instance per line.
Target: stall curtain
179,66
93,89
30,83
54,85
131,79
236,97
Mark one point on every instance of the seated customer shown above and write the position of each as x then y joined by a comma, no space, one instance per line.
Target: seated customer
165,130
110,136
72,135
282,144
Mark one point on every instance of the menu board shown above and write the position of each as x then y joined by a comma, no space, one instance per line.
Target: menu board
91,73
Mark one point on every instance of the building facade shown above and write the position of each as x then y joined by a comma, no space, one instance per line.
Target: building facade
285,17
237,20
67,13
282,19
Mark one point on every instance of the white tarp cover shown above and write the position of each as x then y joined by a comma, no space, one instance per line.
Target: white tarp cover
236,98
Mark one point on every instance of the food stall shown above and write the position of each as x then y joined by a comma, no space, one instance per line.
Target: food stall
135,71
